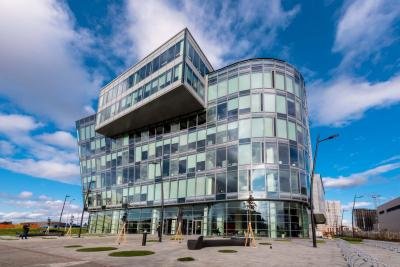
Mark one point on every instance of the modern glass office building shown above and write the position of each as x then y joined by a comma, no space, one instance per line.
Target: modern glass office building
172,130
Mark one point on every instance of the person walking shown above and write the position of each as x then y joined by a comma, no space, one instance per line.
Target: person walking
159,232
25,231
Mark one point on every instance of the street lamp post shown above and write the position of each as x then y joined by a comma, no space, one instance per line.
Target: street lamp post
352,212
158,161
62,210
311,204
83,209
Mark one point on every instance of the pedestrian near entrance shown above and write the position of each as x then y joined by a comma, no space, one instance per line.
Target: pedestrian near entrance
25,232
159,232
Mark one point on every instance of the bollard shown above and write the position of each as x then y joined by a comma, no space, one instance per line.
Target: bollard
144,238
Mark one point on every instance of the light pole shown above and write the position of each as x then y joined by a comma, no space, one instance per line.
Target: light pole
69,204
158,161
314,238
352,212
83,209
341,223
62,210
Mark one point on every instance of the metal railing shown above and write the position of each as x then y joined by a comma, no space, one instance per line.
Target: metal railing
355,257
395,247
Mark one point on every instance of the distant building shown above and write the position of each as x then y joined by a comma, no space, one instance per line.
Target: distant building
319,203
364,219
389,216
333,216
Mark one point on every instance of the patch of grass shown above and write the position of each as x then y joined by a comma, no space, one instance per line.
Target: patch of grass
284,240
352,240
227,251
73,246
131,253
185,259
265,243
152,240
96,249
321,242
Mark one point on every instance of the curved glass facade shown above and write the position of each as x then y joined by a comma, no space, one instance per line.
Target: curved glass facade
252,138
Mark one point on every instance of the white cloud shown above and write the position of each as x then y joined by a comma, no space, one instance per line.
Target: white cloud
364,28
48,169
41,68
222,29
345,99
25,194
16,123
59,139
6,148
358,178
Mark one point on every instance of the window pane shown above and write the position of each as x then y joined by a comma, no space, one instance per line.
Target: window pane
283,153
257,127
294,179
281,104
294,161
222,88
221,111
232,130
292,131
233,105
210,160
191,163
244,82
270,153
257,152
233,85
212,92
244,104
232,182
211,114
221,183
200,186
173,193
150,192
182,188
258,181
221,157
269,103
245,154
256,80
232,156
243,179
281,128
269,127
210,185
244,128
272,181
291,107
256,103
201,162
267,79
279,81
289,84
191,187
284,180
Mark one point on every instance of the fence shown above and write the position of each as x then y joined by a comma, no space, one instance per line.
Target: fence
355,257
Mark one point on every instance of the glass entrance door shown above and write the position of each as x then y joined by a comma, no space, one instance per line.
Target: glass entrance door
196,230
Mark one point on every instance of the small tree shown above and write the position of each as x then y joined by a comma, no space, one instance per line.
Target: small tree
251,206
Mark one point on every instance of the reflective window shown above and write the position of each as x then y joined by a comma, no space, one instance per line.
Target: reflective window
222,88
211,114
191,187
255,103
211,135
232,156
257,127
294,179
279,81
173,193
201,162
281,128
210,159
221,134
233,105
182,188
222,111
289,84
232,182
256,80
291,107
243,181
269,102
292,131
270,153
244,104
284,181
191,163
281,104
272,181
293,156
221,157
200,186
267,79
245,154
244,82
221,183
258,181
269,127
210,185
257,152
244,128
233,85
212,92
232,131
283,153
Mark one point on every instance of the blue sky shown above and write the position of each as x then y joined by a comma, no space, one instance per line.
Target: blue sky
56,55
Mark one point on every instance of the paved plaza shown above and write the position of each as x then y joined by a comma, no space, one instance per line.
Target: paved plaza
39,252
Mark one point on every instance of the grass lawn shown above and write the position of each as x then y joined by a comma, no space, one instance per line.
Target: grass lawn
185,259
96,249
352,240
131,253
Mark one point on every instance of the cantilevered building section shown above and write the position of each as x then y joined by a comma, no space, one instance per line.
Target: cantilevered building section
171,128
